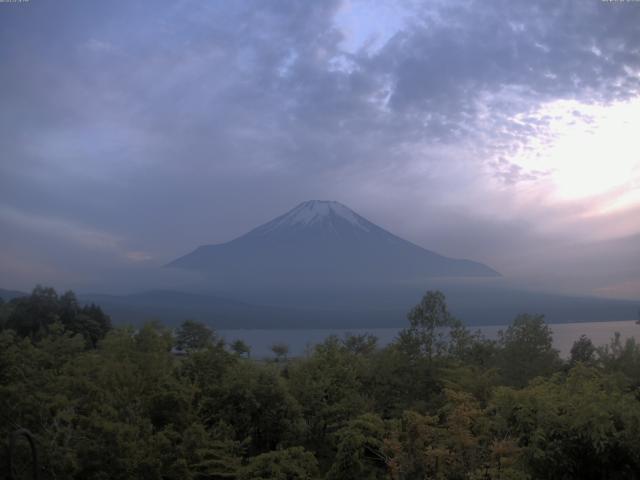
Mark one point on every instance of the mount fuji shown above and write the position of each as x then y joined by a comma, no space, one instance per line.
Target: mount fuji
322,243
323,266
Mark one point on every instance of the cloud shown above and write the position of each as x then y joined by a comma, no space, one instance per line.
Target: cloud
98,46
173,124
67,230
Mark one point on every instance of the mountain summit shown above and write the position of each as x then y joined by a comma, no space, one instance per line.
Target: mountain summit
316,213
322,243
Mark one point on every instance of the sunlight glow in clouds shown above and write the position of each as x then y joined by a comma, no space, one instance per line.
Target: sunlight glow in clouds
590,150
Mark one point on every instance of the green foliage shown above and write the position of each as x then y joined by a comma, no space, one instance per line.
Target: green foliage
241,348
425,335
6,309
193,335
527,350
280,350
583,351
35,315
580,425
438,403
32,316
449,444
360,450
255,405
328,387
623,358
361,344
397,381
290,464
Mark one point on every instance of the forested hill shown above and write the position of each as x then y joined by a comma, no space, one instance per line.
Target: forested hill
439,402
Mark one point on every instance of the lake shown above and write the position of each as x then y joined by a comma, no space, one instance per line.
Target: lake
301,341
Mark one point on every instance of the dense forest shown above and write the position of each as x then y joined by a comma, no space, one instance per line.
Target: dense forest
440,402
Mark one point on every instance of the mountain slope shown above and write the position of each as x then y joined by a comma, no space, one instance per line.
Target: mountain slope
320,243
7,295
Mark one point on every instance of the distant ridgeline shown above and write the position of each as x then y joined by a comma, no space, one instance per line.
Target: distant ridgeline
386,308
439,402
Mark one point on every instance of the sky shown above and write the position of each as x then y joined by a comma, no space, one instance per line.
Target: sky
506,132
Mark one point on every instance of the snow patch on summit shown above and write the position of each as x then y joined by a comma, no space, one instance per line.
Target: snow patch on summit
315,211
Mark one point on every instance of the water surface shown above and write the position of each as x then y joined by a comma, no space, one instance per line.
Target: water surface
301,342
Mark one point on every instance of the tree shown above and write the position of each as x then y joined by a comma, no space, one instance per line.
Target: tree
290,464
253,401
360,344
205,453
240,348
329,389
33,315
153,337
68,306
425,335
526,350
449,443
6,308
280,350
360,448
583,351
89,321
193,335
131,409
622,358
579,425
